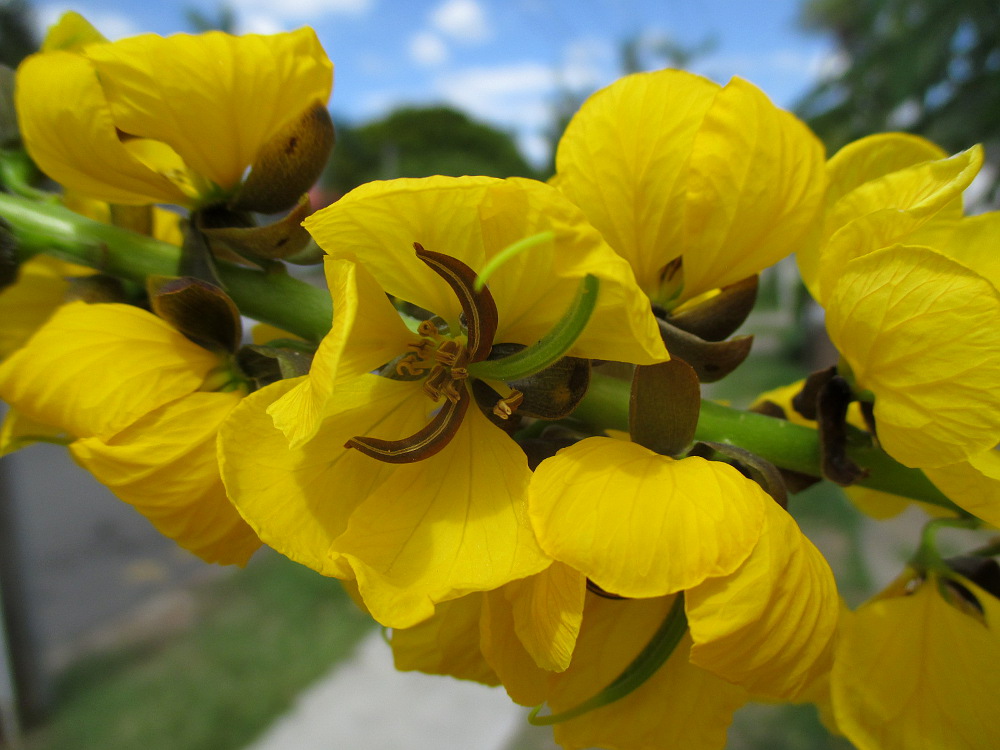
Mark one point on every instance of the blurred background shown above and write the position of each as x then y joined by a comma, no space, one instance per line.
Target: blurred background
115,639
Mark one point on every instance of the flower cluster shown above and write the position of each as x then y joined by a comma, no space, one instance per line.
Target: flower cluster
497,439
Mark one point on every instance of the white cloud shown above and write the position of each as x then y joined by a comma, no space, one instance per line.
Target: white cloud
516,93
259,23
462,20
428,49
282,11
112,25
516,97
588,63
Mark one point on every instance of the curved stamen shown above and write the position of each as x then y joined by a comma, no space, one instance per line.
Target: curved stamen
425,442
479,308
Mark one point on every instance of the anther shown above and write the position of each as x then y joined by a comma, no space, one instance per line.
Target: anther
436,382
449,353
427,328
507,406
413,367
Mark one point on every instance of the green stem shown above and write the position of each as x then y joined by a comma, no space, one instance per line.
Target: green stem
786,445
305,310
927,557
275,298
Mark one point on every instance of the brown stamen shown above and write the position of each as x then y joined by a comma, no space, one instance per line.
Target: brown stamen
422,444
479,308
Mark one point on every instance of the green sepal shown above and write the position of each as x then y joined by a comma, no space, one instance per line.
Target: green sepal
664,405
97,288
283,239
552,346
288,164
8,256
269,364
10,134
712,360
642,667
196,258
198,309
552,393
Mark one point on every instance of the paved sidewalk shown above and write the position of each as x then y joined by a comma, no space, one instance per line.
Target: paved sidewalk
364,704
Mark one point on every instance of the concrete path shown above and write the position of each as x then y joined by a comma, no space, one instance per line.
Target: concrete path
364,704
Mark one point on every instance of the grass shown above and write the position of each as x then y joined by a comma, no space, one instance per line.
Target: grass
264,634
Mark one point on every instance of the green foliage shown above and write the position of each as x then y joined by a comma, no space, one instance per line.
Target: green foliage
266,633
419,142
930,67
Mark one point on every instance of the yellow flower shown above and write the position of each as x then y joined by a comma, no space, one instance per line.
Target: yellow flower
41,287
884,189
164,120
698,186
760,600
919,331
125,387
919,667
451,518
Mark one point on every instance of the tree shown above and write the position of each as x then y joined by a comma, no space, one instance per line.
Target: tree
418,142
17,39
930,67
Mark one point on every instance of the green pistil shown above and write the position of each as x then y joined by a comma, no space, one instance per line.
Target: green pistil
509,252
551,347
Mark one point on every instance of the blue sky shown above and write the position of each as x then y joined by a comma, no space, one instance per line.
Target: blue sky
503,61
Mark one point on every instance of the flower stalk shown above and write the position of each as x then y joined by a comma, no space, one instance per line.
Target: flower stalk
305,310
270,297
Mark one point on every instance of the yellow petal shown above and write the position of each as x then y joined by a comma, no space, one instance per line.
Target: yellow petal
68,129
913,672
164,465
623,159
639,524
918,330
971,240
680,706
367,332
861,161
95,369
447,643
769,625
755,190
473,219
547,609
263,334
71,32
299,500
40,289
875,156
973,484
525,682
18,431
442,527
219,99
534,289
890,209
667,164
